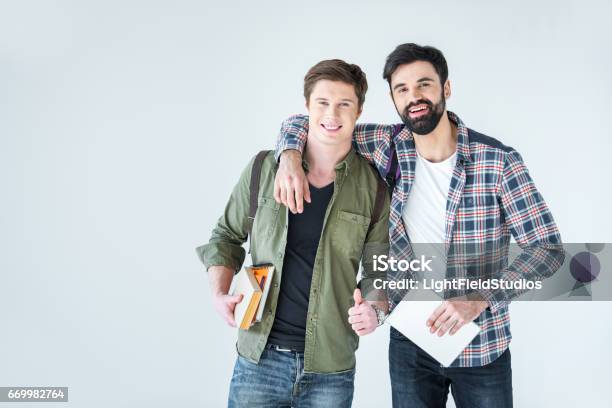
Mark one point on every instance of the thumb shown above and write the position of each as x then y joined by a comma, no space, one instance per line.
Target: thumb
235,298
306,188
357,297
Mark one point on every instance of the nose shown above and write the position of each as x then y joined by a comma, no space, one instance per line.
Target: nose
332,111
414,95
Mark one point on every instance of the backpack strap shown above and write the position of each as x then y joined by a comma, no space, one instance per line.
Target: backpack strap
393,171
254,189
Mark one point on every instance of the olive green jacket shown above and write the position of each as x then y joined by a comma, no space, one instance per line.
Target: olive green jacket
330,342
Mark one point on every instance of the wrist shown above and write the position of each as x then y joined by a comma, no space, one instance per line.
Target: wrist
381,315
289,153
482,301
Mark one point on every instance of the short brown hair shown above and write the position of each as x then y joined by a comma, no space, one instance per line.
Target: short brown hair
337,70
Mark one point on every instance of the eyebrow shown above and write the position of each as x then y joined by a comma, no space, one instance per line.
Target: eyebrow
343,100
424,79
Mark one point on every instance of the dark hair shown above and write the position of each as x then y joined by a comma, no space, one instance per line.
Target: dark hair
337,70
410,52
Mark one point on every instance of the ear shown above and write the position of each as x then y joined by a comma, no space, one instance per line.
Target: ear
306,105
359,113
447,89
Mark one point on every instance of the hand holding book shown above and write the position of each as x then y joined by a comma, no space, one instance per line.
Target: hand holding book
225,306
220,278
253,284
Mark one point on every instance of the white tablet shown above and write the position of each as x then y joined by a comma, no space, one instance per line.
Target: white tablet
410,317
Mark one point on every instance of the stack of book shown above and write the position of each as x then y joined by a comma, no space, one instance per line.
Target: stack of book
253,283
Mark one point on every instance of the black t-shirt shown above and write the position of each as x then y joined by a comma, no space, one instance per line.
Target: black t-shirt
303,234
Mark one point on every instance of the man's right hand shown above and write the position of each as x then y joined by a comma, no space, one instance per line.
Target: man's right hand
220,278
225,305
291,185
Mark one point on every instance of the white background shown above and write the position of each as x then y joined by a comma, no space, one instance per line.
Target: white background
124,126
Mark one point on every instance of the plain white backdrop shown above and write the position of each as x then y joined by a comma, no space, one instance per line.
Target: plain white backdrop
125,124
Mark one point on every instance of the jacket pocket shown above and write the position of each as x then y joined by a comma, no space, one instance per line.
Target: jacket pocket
266,217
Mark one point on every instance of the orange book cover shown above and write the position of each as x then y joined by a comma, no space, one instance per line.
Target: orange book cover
263,274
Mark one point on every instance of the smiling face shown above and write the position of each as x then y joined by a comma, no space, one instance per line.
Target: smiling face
333,108
419,97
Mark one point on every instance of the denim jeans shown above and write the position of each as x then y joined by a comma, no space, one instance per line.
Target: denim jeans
279,381
418,381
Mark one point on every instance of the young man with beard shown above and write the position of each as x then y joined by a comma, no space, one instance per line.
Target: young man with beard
302,353
464,191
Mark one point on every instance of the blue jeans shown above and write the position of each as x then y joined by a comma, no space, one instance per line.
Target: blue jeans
418,381
279,381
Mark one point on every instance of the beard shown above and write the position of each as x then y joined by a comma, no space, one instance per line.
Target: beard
425,124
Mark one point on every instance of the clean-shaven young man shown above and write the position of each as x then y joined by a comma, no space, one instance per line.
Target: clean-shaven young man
302,353
461,190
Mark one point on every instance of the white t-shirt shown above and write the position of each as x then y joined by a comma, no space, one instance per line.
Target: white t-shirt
424,213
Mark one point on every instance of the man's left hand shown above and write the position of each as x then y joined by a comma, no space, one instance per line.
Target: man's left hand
453,314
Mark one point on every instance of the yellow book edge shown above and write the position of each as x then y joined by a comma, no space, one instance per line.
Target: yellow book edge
251,310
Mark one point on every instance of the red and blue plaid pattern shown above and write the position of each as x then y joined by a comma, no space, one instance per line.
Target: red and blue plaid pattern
491,197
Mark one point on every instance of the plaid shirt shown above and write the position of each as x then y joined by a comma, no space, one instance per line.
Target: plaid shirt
491,196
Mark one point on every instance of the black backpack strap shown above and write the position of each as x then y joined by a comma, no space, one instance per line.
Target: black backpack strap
391,176
254,188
